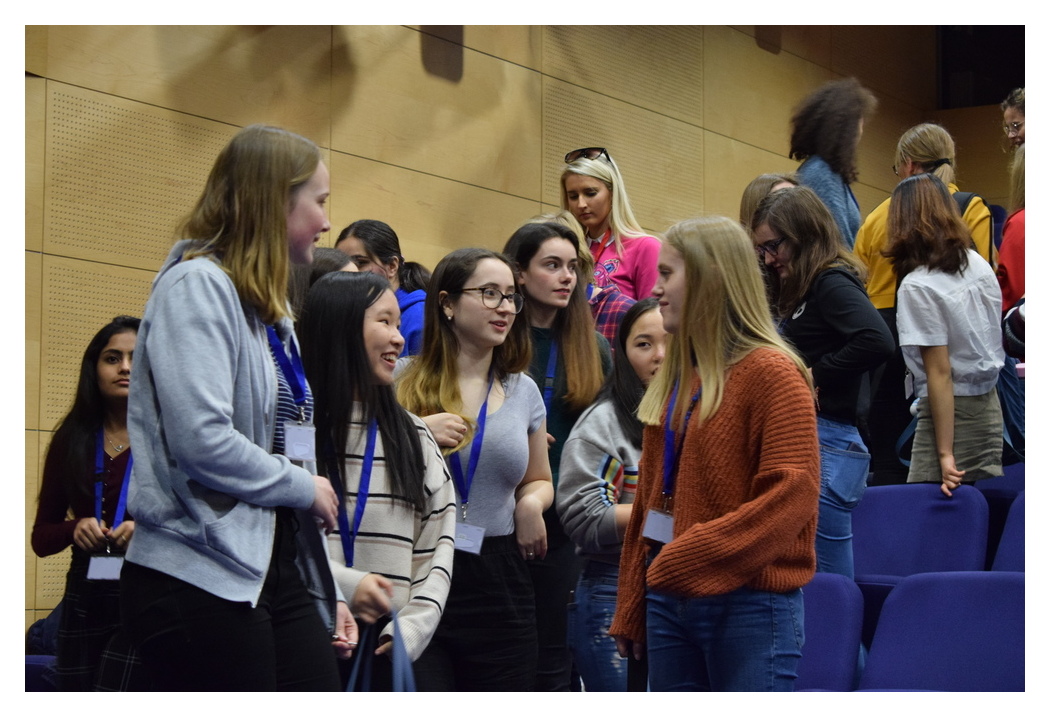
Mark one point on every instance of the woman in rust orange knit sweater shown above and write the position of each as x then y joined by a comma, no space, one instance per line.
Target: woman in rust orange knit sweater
721,538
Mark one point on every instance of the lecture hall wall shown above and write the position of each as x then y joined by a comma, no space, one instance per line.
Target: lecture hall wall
453,135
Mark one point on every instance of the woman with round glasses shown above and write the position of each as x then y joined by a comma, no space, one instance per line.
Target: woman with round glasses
593,191
473,362
1013,117
569,360
818,298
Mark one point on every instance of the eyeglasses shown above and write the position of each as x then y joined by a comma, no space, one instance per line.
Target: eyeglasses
587,153
1009,129
494,298
770,247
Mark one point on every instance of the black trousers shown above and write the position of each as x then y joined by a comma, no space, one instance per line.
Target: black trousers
189,639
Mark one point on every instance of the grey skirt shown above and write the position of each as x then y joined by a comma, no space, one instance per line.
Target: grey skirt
978,446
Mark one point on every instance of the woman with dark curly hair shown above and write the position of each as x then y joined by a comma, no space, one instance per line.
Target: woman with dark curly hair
825,130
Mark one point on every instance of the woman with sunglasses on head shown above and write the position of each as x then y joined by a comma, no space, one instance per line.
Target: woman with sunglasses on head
82,503
948,310
720,538
226,585
569,360
593,191
374,247
393,550
475,352
599,473
819,301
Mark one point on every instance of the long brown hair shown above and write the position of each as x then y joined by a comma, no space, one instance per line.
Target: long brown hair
430,382
924,228
242,216
573,325
804,222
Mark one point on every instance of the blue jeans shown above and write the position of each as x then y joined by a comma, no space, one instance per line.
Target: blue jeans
743,641
844,462
591,612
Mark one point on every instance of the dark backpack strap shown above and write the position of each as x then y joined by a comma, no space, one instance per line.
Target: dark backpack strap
963,199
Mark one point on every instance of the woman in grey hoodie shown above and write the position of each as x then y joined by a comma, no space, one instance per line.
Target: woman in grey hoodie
221,588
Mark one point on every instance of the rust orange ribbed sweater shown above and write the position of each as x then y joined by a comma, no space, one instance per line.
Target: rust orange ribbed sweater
745,501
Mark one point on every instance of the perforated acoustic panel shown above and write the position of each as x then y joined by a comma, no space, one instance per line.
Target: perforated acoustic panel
79,298
119,175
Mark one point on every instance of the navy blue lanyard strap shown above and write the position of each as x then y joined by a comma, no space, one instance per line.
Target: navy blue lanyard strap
455,464
548,381
291,368
346,534
673,448
122,500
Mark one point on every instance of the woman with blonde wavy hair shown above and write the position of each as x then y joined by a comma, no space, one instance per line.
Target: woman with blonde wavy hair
593,191
226,585
721,538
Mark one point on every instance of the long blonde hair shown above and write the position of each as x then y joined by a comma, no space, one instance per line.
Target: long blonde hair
241,218
621,219
725,316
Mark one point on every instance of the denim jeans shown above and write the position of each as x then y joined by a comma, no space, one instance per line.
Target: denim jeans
844,461
743,641
590,614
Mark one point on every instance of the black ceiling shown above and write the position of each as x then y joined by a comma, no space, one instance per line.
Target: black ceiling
979,64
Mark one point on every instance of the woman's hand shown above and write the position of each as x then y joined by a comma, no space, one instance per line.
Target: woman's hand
448,428
628,648
951,477
89,535
372,598
345,638
325,505
529,528
121,535
386,644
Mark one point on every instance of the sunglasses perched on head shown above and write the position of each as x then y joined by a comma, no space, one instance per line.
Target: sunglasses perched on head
587,153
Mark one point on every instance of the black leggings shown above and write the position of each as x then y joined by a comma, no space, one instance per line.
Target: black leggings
190,639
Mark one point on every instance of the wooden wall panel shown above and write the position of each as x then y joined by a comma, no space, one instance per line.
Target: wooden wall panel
809,42
240,75
895,60
49,573
79,298
36,104
519,44
480,127
730,166
431,215
751,92
660,158
120,175
878,145
983,164
657,68
33,465
33,323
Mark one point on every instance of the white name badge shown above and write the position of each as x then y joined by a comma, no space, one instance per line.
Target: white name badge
298,441
469,538
105,567
659,526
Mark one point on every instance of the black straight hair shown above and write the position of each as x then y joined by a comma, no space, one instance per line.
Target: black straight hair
71,454
340,372
623,387
382,244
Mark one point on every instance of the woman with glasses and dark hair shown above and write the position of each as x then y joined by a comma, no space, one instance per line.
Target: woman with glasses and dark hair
826,128
374,247
599,474
570,360
924,148
819,301
475,352
948,310
1013,116
83,497
593,191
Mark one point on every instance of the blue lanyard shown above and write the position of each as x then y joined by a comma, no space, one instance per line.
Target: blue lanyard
292,369
122,501
455,463
548,383
346,535
673,452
